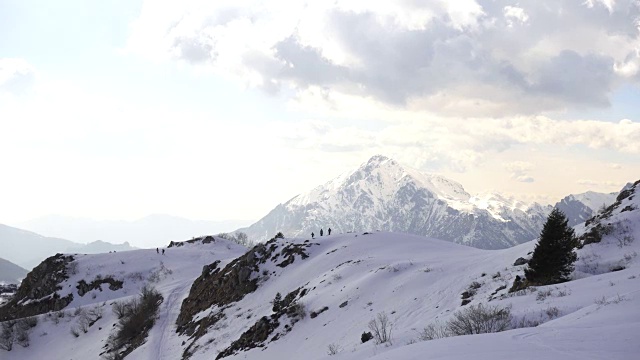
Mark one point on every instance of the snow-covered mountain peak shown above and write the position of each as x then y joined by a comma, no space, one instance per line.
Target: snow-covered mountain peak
382,194
381,177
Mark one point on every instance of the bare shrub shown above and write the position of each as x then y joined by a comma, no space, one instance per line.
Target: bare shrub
7,335
480,319
543,294
138,317
120,309
333,349
434,331
239,238
298,310
381,328
552,312
22,334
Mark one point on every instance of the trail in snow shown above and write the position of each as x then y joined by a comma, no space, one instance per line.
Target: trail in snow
167,317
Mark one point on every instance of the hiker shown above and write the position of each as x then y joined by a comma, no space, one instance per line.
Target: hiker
157,251
320,232
162,251
329,232
312,235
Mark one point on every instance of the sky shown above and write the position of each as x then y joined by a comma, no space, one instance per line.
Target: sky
222,110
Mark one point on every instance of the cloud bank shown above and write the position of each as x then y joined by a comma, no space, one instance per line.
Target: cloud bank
464,58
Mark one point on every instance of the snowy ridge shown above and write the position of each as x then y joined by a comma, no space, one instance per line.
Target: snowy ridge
416,281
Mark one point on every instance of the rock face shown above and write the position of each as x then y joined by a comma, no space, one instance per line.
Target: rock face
218,289
37,293
84,287
606,222
383,195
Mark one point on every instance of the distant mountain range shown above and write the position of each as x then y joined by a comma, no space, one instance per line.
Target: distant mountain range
28,249
10,273
578,208
148,232
384,195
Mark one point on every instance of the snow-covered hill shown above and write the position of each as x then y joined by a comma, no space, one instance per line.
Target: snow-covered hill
343,281
384,195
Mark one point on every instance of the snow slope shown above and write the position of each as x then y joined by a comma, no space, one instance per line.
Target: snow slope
171,274
415,280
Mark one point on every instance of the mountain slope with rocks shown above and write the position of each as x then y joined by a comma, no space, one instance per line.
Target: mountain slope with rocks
580,207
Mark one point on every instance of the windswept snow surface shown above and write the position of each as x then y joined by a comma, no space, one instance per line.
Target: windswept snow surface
415,280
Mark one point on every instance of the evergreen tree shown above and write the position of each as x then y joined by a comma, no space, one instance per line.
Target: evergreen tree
554,255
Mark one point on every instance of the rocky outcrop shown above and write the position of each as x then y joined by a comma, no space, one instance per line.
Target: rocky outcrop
203,239
217,289
601,224
84,287
259,333
38,292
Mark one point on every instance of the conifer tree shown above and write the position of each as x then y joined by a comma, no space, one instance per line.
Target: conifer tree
554,255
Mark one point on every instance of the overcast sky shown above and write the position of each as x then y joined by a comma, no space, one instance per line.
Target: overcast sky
222,109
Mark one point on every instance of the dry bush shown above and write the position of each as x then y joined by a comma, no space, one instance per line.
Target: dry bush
434,331
333,349
138,317
480,319
381,328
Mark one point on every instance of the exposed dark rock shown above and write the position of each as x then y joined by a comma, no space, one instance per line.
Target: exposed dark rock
520,261
315,313
84,287
40,288
366,336
203,239
219,287
344,304
254,337
258,334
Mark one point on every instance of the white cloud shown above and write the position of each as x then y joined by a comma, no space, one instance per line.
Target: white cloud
17,76
520,171
441,54
514,15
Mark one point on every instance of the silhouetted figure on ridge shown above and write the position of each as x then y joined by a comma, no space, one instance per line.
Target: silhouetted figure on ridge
320,232
312,235
329,232
157,251
162,251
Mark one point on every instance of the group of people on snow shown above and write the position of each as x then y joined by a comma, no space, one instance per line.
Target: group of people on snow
322,233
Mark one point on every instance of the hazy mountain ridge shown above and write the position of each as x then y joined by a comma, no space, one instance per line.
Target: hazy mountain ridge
27,249
148,232
383,195
11,273
580,207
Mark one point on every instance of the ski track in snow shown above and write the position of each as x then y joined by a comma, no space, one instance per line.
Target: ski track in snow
168,316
